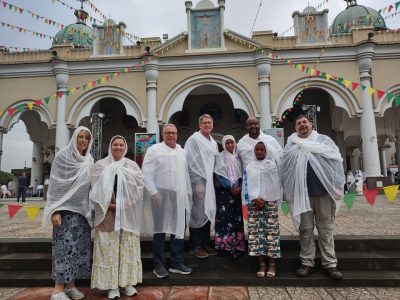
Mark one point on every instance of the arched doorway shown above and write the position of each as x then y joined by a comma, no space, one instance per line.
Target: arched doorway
215,101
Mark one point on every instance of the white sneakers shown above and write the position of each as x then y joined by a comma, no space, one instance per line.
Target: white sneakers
74,294
113,294
59,296
130,290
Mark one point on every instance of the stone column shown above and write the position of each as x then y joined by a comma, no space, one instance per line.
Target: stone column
221,4
60,70
151,72
37,163
1,146
263,66
369,139
188,5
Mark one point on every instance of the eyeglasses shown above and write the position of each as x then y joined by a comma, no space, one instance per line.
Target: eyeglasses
169,133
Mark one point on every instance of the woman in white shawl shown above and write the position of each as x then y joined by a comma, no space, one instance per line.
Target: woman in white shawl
262,192
117,194
67,208
229,232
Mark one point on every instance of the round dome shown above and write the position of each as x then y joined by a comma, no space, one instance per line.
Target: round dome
358,15
310,9
79,35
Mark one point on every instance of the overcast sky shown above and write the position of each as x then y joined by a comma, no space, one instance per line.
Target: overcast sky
144,18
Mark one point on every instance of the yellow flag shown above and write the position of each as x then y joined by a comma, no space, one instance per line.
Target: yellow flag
1,113
32,212
371,91
299,66
347,83
72,91
328,76
312,72
30,105
391,192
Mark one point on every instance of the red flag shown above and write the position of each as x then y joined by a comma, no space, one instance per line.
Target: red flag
380,94
354,85
11,111
370,196
60,94
13,209
38,102
317,72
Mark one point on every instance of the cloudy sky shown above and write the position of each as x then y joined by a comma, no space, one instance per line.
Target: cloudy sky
144,18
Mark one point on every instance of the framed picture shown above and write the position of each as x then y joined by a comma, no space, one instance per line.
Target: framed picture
277,133
142,142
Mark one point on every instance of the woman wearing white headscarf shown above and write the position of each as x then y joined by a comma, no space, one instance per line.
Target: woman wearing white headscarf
229,232
67,208
117,194
262,192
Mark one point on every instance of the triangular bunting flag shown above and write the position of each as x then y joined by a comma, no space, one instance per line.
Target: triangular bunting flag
389,97
397,5
398,101
1,205
11,111
347,83
30,105
370,196
363,87
371,91
348,199
38,102
354,85
391,192
60,94
328,76
340,80
285,208
32,212
380,93
47,99
13,209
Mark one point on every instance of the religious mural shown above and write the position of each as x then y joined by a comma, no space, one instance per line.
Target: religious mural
206,29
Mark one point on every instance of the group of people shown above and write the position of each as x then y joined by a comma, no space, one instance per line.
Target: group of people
195,187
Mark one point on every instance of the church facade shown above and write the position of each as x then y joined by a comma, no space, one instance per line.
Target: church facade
210,69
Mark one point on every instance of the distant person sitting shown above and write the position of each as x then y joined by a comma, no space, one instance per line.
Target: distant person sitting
40,189
22,184
5,193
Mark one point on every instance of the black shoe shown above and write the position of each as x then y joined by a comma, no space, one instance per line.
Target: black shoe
160,271
304,271
334,273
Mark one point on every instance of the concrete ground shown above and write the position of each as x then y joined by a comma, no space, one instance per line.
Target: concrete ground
362,219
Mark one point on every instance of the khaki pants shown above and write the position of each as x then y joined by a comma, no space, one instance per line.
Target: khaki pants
323,216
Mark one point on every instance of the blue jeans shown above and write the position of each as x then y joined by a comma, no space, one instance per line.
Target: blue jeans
177,249
200,237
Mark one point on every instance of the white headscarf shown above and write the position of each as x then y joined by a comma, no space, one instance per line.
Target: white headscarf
70,180
227,164
129,190
165,171
325,159
262,178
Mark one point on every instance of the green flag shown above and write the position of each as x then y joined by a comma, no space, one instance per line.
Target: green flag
349,199
285,208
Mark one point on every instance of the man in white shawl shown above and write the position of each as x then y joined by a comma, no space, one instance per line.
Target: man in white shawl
246,144
167,200
313,182
201,151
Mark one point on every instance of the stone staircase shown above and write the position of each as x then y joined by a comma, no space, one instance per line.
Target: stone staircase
364,261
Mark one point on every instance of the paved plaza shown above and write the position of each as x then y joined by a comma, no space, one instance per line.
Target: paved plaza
380,220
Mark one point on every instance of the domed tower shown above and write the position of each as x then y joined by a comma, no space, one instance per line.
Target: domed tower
79,34
310,26
357,15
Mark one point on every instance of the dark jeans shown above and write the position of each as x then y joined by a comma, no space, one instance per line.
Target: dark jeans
177,248
21,191
200,237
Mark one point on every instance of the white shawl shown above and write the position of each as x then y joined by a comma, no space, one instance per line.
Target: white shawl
227,164
326,161
129,196
200,154
70,180
165,171
245,148
262,179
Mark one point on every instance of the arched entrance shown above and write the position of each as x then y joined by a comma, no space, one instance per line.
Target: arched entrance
215,101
